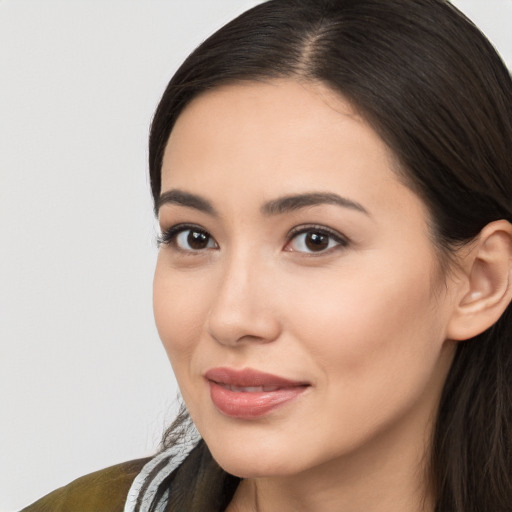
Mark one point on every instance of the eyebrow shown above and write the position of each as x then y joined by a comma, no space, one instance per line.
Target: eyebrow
298,201
274,207
187,199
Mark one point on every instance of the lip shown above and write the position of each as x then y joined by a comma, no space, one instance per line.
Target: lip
249,393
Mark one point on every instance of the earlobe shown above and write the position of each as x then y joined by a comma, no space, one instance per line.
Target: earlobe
486,290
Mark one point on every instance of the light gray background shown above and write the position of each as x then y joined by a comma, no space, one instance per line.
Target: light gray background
84,382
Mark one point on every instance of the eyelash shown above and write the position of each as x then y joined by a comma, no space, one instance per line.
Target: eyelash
168,237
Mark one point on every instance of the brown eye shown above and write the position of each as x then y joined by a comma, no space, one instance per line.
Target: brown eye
315,240
197,240
194,240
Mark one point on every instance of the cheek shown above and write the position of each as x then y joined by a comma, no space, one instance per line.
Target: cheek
376,344
372,327
178,312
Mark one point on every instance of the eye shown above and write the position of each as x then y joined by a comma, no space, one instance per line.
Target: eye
188,238
315,240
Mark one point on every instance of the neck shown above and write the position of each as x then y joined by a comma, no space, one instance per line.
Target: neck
369,494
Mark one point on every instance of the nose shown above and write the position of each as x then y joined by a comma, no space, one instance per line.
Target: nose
243,310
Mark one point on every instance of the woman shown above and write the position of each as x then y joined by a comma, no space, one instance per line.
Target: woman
333,182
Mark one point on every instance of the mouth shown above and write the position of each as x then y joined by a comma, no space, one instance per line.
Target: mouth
248,393
247,389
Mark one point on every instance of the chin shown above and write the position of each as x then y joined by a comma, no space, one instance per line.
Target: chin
244,468
256,461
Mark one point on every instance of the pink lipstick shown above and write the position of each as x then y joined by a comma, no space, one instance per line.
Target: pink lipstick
250,393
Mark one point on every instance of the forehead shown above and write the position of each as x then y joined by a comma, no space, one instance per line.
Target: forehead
277,120
280,102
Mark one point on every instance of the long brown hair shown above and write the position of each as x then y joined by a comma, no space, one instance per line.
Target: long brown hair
438,94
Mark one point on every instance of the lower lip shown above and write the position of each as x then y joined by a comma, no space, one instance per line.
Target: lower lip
244,404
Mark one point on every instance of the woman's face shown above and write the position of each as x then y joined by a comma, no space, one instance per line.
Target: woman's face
297,291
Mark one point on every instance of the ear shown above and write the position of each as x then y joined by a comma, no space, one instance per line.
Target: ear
486,288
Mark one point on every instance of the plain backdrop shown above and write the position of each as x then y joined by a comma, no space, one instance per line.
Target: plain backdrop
84,382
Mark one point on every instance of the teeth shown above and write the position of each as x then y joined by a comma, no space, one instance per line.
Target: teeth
251,389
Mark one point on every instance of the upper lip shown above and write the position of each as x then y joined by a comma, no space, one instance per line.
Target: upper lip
249,377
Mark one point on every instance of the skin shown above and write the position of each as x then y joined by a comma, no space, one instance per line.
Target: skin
364,321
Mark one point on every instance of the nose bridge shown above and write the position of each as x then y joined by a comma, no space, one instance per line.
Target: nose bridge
241,307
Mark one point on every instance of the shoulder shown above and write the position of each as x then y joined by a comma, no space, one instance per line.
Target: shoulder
101,491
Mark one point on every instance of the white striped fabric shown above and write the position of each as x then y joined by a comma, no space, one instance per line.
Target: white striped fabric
170,460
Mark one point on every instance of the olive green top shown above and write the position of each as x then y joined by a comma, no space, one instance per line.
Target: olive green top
102,491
